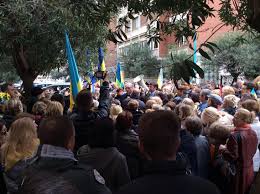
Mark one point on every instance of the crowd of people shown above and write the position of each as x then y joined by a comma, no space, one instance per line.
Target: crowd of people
190,139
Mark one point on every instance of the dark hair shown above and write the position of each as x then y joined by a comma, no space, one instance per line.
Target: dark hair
2,124
213,103
194,125
102,133
163,96
4,87
58,97
159,134
124,121
56,131
84,100
249,86
195,97
171,105
205,93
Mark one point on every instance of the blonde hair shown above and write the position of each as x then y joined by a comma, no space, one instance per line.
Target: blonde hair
185,111
149,110
115,110
21,142
218,133
245,115
14,106
133,104
149,104
210,115
54,109
216,91
227,90
188,101
230,101
39,108
157,99
157,107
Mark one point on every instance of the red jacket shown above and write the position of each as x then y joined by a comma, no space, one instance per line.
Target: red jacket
241,147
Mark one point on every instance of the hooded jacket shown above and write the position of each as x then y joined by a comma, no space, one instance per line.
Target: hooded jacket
55,170
109,162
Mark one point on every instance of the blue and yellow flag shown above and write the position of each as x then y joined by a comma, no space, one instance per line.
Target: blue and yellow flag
160,79
90,78
76,85
253,93
195,48
119,76
101,64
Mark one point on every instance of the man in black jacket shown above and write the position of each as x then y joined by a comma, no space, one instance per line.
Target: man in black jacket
159,141
54,169
85,117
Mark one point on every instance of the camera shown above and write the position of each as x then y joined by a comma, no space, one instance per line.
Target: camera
100,74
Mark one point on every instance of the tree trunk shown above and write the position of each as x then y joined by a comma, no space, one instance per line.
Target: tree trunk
23,68
27,84
234,79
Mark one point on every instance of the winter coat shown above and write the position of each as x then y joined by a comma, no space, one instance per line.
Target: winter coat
55,170
188,147
13,177
83,121
127,144
164,177
109,162
241,148
203,156
256,127
9,119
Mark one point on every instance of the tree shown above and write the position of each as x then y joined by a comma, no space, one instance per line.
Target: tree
8,72
138,59
32,34
174,56
32,31
238,55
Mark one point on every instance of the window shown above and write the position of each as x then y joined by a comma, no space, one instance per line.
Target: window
154,45
128,27
183,41
136,23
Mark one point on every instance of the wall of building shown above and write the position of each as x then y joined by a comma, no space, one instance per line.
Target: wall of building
139,35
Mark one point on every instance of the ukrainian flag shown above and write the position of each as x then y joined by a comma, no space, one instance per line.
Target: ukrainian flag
90,78
160,79
253,93
119,76
76,85
101,65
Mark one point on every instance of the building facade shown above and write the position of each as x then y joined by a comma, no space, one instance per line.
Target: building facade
137,31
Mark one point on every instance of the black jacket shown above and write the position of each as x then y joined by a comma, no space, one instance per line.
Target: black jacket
164,177
127,144
188,147
61,176
9,119
83,121
109,162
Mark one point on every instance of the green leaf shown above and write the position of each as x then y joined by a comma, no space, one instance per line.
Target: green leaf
197,69
214,45
190,69
209,47
185,72
204,54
